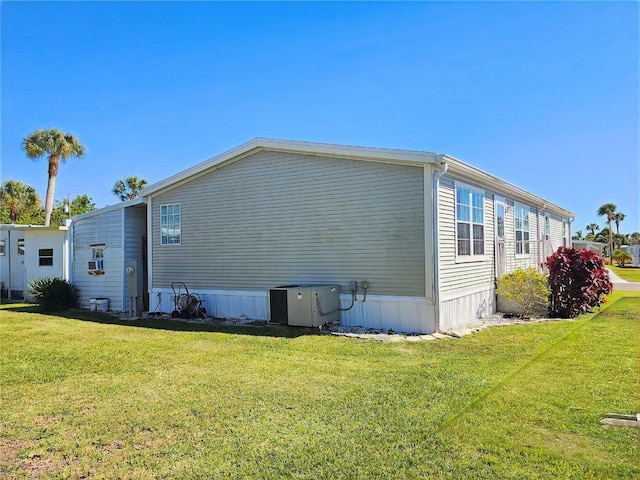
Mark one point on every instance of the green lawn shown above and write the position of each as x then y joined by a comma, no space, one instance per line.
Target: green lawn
102,399
631,274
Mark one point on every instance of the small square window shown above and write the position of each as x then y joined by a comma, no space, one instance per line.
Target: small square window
45,257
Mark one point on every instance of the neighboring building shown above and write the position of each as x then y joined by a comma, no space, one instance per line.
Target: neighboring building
104,241
30,252
595,247
428,233
634,251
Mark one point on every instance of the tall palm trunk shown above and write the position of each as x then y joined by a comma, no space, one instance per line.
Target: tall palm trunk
610,240
51,187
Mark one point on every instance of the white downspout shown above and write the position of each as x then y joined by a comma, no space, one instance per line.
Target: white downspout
439,170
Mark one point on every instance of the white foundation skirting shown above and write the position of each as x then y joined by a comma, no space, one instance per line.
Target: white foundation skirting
401,314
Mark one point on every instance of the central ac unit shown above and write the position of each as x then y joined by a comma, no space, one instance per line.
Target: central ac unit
305,305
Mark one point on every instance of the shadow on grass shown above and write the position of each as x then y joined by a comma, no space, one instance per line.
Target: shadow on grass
277,331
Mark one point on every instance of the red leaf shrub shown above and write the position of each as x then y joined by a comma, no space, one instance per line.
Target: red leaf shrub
578,281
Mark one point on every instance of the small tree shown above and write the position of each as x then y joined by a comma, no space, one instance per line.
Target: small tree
527,288
578,281
621,257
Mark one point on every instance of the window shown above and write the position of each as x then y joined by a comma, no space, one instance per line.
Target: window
1,248
500,220
45,257
522,229
21,246
96,264
547,228
170,224
565,234
469,221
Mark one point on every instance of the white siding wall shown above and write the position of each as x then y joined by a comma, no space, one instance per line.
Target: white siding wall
43,239
105,228
275,218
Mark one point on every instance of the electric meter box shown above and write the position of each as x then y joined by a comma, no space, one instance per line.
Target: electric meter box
134,278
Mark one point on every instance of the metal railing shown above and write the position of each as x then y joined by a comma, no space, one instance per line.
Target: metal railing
512,255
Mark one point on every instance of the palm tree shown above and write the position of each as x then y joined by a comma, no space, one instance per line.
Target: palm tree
608,209
58,146
592,227
129,188
618,217
577,236
18,197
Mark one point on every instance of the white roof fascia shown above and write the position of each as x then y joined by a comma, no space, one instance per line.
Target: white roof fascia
14,226
111,208
473,174
408,157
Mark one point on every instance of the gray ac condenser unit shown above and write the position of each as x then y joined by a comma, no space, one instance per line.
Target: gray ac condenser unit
305,305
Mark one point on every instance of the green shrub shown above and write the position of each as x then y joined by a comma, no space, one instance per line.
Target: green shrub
621,257
527,288
54,294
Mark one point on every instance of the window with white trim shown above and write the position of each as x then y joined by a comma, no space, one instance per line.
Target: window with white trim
521,214
96,264
21,246
565,233
170,233
547,228
469,221
45,257
1,248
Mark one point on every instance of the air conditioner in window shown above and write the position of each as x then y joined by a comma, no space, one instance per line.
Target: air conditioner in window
96,265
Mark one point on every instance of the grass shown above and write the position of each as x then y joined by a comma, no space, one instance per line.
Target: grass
630,274
94,396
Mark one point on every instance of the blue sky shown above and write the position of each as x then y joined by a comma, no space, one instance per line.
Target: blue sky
544,95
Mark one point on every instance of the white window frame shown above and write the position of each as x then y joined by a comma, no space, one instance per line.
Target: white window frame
526,244
565,234
21,248
547,227
2,248
96,264
473,257
164,237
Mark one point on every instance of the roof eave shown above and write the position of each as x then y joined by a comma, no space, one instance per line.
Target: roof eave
474,174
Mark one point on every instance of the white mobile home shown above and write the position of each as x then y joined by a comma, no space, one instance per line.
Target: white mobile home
30,252
425,234
104,241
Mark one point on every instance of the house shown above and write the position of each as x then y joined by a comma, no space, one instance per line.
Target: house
416,238
30,252
634,251
104,242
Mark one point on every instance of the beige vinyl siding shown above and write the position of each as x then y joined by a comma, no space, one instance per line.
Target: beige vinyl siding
275,218
456,275
107,229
